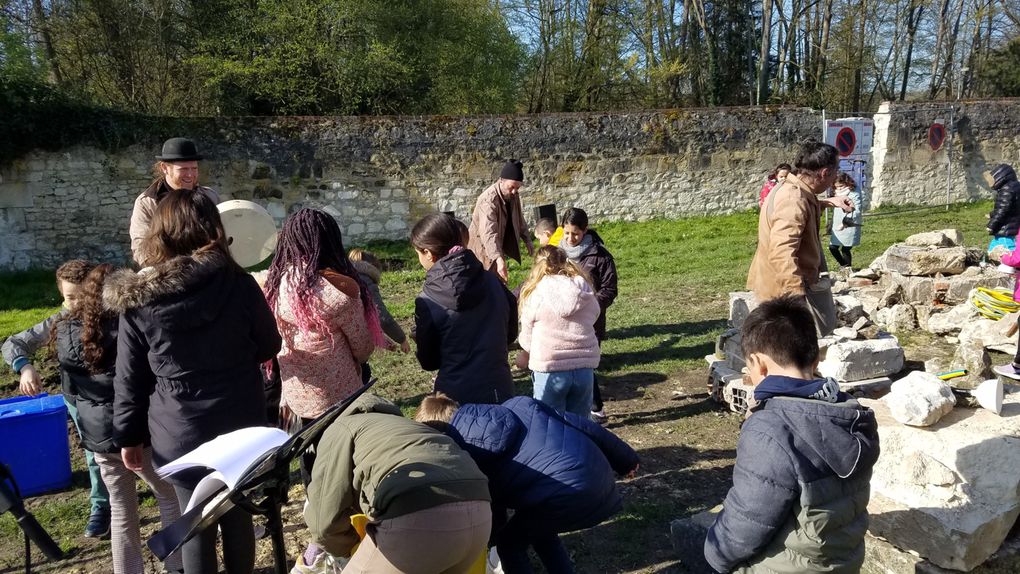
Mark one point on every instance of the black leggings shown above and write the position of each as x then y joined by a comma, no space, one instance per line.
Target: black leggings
596,397
513,540
841,254
199,553
1016,359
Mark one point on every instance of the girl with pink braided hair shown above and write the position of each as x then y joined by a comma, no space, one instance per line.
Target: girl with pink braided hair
329,324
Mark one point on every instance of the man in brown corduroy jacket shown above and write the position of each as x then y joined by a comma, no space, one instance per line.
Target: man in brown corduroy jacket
789,257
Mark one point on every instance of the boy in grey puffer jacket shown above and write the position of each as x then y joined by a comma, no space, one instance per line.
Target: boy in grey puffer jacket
804,458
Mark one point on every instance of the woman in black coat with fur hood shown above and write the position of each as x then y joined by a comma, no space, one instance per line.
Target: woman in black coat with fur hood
194,329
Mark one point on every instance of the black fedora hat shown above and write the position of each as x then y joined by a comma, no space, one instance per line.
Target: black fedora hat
179,149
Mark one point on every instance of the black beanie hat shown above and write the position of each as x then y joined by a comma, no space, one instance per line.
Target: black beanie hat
514,170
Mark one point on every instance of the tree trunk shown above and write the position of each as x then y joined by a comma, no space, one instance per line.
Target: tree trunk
791,48
47,41
934,84
763,53
913,18
823,48
855,97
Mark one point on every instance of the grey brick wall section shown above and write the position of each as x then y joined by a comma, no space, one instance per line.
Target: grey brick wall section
378,175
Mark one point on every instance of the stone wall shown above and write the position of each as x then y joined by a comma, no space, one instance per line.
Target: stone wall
378,175
906,170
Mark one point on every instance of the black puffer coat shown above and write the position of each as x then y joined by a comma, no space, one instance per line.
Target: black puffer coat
1004,220
465,320
193,333
90,393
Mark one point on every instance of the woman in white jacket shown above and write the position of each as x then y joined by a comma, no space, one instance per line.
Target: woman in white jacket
558,310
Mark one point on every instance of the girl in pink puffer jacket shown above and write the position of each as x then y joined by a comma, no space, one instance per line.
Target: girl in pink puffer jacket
558,310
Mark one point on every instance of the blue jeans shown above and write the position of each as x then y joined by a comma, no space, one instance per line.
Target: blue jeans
569,391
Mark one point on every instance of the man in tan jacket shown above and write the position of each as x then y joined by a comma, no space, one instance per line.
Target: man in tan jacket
497,223
789,258
176,168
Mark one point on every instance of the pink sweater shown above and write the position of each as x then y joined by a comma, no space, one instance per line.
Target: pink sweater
558,325
319,371
1013,260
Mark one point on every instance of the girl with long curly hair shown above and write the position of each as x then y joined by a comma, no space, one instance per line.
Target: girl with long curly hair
84,340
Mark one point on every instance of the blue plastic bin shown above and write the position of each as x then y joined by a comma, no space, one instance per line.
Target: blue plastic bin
33,442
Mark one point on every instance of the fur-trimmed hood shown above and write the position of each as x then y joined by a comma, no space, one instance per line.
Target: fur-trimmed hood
192,287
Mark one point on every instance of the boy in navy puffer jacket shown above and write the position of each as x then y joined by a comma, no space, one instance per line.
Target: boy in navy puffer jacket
801,483
554,470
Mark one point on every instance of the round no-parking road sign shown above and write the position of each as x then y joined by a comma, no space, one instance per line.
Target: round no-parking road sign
936,136
846,141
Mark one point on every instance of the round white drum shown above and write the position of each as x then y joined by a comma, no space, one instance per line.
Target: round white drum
250,230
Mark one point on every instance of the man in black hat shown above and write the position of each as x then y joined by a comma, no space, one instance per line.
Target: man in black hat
497,224
176,168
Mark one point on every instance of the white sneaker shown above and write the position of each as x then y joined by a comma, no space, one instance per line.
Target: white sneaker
599,417
323,564
492,565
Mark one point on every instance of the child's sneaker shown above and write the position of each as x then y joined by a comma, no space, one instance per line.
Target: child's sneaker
1009,371
492,565
322,563
599,416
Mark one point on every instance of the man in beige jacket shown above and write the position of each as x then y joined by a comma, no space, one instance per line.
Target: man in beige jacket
176,168
789,258
497,223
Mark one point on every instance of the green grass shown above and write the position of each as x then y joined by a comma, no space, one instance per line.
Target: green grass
674,279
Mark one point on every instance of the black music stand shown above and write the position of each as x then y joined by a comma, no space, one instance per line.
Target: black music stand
268,476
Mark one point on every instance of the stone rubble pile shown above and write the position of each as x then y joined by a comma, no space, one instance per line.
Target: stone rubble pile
949,492
926,283
859,355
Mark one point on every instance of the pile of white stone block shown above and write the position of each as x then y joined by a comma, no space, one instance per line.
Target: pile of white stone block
859,355
948,492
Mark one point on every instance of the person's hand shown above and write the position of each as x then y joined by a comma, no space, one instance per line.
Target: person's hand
521,360
132,456
31,383
501,269
405,347
843,202
633,473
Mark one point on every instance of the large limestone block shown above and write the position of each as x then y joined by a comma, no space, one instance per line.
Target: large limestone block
949,492
880,557
972,357
920,399
901,317
741,305
961,285
952,320
849,361
943,238
908,260
848,309
914,289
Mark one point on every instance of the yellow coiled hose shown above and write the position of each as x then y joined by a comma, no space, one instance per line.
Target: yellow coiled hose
994,303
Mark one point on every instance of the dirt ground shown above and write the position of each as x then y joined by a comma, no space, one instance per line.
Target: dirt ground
686,444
